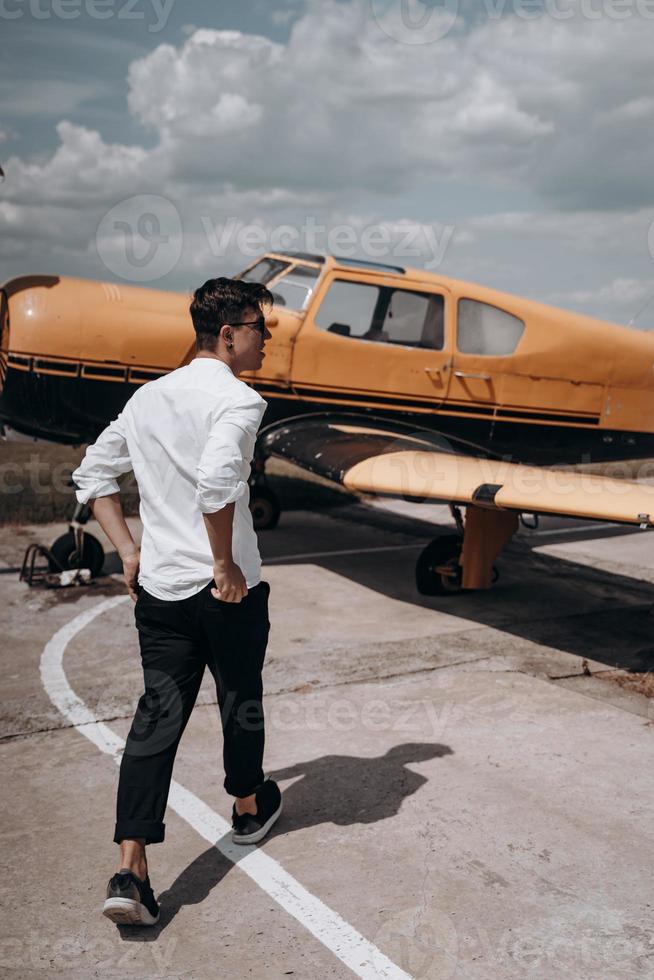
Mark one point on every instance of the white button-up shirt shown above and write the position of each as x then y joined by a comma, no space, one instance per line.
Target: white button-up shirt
189,436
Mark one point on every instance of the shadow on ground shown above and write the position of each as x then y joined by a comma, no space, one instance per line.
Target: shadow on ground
338,789
562,604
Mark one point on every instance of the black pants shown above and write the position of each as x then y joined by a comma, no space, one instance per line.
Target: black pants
178,639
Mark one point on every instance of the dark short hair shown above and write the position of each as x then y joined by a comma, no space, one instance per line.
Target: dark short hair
220,301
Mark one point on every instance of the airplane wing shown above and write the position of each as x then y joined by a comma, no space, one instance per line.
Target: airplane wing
373,455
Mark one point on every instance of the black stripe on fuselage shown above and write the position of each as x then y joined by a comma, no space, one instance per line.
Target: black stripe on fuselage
75,410
442,407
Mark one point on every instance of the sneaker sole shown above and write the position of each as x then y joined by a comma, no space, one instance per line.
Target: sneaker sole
128,912
258,834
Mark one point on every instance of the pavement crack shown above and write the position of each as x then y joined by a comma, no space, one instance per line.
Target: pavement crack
213,702
64,726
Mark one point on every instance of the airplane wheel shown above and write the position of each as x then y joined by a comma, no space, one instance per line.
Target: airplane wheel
265,508
65,551
438,571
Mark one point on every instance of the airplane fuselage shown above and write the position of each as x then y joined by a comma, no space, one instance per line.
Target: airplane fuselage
496,373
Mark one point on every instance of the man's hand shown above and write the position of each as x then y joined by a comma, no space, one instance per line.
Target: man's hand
230,582
131,563
108,512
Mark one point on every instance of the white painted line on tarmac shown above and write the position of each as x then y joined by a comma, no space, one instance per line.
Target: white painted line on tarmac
344,551
581,529
362,957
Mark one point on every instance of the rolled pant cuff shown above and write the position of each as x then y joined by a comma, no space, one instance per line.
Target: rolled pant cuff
243,789
152,831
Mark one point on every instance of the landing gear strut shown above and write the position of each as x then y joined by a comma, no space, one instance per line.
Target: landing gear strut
455,562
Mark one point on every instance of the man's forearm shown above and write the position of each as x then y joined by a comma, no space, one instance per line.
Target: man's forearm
219,527
108,512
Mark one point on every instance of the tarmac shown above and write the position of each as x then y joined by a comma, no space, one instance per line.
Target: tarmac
468,788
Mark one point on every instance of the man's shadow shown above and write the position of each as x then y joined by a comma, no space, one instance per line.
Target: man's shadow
339,789
344,789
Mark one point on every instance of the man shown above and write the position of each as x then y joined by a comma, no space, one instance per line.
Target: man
196,580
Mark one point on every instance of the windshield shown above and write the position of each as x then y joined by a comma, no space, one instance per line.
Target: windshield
295,287
264,271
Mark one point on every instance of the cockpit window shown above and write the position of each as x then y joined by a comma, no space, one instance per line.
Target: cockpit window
415,319
485,329
264,271
383,314
295,287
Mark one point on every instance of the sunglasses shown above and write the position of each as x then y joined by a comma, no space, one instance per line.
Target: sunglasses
259,324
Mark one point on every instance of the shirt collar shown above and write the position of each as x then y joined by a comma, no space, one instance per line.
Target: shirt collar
212,361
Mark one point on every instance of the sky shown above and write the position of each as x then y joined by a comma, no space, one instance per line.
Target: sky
163,142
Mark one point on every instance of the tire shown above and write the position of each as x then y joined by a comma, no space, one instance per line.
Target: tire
65,551
445,550
265,508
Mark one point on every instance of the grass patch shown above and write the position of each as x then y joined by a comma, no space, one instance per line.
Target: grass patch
638,682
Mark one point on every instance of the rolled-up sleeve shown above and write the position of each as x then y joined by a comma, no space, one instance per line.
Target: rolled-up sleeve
105,460
230,445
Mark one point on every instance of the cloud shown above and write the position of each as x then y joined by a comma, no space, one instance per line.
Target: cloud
83,169
633,290
626,301
26,99
242,128
281,17
513,103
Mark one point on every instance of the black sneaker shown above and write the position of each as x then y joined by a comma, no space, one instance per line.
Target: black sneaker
130,901
249,828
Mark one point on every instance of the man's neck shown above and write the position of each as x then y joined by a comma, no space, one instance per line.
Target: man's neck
217,357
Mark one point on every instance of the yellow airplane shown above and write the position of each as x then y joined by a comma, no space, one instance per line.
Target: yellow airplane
385,379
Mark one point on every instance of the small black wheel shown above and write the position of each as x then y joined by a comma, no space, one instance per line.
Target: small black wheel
438,569
65,551
264,507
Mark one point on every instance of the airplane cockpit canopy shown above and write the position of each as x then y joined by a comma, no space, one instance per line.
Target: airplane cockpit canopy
291,282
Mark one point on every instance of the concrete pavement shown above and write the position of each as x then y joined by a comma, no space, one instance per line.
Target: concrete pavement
465,789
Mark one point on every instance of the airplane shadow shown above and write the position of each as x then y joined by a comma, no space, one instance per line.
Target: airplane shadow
555,602
339,789
551,601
